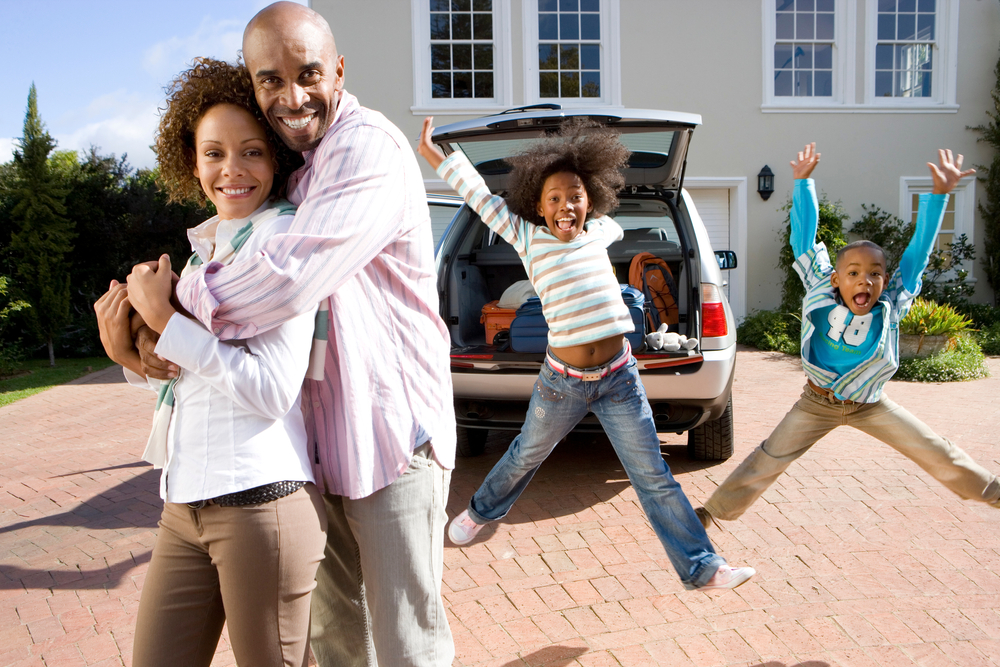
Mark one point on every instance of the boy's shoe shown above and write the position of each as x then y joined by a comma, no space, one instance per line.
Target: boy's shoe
706,518
729,577
463,529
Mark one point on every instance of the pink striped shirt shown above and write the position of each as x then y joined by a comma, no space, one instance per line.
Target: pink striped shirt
362,237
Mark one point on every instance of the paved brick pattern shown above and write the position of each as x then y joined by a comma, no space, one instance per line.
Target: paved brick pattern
862,559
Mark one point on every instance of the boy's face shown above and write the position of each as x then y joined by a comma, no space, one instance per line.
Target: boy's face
860,277
564,205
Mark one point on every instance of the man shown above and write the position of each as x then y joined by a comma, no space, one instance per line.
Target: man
383,426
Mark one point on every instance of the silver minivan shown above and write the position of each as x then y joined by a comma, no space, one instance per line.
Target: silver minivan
688,390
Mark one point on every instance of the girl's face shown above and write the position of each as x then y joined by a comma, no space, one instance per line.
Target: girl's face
564,205
233,161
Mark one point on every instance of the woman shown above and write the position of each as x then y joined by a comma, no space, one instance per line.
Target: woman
243,527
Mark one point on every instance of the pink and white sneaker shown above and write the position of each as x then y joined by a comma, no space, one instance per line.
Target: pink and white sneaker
463,529
729,577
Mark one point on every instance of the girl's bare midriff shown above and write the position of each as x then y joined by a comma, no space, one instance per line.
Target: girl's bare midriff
591,354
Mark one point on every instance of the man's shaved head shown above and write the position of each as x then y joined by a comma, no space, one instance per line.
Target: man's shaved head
296,70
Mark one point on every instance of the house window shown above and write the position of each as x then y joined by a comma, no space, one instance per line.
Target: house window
461,55
571,51
959,214
803,48
904,49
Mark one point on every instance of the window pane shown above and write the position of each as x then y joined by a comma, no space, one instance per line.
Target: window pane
803,84
482,26
883,56
804,5
482,5
887,5
784,25
462,83
440,26
590,5
461,56
883,84
441,85
461,26
803,56
484,84
548,26
548,84
570,82
785,5
886,26
482,57
906,5
783,83
591,84
804,26
440,56
548,56
590,26
782,56
547,5
569,5
925,27
439,5
460,5
926,6
824,26
569,26
569,56
590,56
824,5
824,56
906,27
823,84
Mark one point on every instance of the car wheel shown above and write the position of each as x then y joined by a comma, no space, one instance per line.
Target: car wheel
713,440
471,441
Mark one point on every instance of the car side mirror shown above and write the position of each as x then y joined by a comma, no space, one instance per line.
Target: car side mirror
726,259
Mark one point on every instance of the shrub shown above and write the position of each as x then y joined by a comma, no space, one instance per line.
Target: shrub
11,350
927,318
830,231
770,330
989,339
961,360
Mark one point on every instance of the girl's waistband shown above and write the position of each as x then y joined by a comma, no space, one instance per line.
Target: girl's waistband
593,373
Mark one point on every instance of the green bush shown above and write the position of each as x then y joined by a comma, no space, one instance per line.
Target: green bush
961,360
927,318
830,231
770,330
989,339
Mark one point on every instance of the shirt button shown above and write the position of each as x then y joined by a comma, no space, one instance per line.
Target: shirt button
216,329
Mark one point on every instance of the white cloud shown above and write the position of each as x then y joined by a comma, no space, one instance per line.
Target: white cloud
118,123
6,149
220,39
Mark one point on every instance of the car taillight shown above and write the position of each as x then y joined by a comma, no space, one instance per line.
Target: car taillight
713,312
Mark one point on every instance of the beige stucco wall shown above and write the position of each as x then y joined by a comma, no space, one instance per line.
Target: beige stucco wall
705,57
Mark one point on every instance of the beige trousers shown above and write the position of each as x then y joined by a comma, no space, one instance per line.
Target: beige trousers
253,567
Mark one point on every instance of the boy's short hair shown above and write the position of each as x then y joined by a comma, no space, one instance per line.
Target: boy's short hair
582,147
859,244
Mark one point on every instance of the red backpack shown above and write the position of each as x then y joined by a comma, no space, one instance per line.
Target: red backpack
651,275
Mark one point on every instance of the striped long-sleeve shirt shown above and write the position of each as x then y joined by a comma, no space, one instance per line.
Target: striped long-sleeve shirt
362,238
580,295
871,362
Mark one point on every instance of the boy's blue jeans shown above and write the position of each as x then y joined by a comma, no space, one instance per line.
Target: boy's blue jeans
558,403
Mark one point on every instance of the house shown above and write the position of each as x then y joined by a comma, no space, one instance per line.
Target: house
878,84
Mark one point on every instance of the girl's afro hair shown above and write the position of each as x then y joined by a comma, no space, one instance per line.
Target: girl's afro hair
582,147
207,83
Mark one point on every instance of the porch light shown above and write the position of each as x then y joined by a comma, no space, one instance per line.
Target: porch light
765,182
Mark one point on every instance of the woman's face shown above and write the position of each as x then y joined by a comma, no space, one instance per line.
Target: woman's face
233,161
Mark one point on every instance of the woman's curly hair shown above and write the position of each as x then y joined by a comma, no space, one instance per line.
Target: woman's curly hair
582,147
189,96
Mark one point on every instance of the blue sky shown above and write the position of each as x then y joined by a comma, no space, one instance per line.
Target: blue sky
100,66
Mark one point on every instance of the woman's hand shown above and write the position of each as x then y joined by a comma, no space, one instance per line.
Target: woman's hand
150,290
112,311
426,147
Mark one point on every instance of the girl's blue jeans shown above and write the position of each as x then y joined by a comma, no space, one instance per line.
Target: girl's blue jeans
558,403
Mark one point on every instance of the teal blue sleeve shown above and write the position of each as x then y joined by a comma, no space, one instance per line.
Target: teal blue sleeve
930,213
804,215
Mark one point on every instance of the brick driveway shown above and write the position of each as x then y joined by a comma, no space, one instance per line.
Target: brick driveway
862,559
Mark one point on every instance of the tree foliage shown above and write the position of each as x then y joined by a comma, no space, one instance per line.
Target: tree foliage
830,232
989,176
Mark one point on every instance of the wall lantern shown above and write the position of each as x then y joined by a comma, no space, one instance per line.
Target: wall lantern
765,182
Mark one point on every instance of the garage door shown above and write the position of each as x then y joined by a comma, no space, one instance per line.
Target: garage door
713,207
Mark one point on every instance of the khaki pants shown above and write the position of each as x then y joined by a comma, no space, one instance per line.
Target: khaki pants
253,567
815,415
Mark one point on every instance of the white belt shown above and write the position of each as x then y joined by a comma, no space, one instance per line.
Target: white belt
591,374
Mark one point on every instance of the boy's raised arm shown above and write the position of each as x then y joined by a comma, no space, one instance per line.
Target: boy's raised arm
805,209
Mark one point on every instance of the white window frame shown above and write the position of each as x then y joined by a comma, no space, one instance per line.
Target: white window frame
503,85
845,32
945,72
611,88
964,195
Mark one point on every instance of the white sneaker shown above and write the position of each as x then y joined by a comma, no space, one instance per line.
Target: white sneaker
463,529
729,577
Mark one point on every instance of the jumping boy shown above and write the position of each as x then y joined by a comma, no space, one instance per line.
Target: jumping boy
850,343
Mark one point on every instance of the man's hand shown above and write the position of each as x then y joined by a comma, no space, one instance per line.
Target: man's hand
150,291
426,147
112,311
949,173
152,364
808,159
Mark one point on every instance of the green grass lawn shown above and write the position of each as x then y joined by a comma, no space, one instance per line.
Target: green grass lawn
43,376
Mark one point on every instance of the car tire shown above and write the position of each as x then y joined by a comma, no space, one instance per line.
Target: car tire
471,441
713,440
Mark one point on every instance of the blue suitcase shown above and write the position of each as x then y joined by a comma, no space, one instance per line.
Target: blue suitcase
529,333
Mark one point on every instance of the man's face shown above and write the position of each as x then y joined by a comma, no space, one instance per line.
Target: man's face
860,277
297,78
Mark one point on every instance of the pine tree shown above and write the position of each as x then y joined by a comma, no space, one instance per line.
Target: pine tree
42,236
